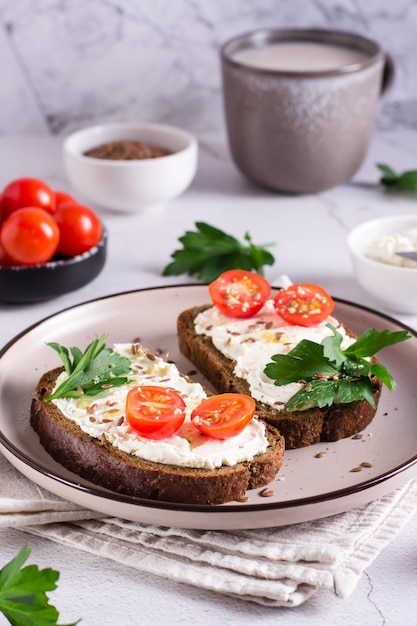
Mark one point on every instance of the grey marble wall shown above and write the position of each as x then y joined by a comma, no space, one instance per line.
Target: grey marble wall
68,63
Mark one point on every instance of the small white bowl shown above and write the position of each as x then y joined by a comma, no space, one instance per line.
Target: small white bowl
393,286
131,185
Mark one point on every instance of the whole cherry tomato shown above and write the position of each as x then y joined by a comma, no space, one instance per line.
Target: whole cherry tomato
154,412
238,293
5,260
27,192
224,415
79,228
62,197
303,304
29,236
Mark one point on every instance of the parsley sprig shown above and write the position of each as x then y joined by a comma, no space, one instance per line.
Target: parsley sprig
91,371
23,593
208,252
330,374
406,181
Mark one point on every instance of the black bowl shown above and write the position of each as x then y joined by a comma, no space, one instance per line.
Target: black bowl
34,283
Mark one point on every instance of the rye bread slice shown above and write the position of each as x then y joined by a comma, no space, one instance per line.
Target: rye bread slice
105,465
299,428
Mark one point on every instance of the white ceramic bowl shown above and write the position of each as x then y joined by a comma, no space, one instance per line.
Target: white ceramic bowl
133,185
393,286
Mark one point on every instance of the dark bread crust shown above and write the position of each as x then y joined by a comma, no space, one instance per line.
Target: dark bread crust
299,428
123,473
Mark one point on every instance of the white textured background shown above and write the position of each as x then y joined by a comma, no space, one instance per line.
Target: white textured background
67,63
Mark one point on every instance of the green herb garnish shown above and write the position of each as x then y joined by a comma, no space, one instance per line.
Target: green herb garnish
407,181
23,593
208,252
330,374
90,372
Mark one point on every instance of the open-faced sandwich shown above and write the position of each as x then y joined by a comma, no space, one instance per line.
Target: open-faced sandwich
286,371
310,376
129,421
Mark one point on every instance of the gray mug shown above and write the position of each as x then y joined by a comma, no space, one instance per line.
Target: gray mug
308,128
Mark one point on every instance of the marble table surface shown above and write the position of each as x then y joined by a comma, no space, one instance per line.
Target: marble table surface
309,233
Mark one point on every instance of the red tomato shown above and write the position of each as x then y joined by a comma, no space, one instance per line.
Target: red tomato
303,304
29,236
224,415
154,412
237,293
27,192
62,197
79,228
5,260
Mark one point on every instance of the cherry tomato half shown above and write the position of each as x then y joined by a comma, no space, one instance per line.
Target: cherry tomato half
29,236
79,228
62,197
27,192
224,415
237,293
154,412
303,304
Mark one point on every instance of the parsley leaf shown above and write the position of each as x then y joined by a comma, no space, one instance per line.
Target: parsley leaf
407,181
23,593
332,375
208,252
90,372
372,341
323,393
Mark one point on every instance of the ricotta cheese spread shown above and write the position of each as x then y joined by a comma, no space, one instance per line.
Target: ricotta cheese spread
250,344
103,416
384,249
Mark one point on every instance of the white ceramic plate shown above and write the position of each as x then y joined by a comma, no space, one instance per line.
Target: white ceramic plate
306,487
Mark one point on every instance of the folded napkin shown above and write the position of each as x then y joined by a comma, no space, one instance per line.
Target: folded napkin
273,566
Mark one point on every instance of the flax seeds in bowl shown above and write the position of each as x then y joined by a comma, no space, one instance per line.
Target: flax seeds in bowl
126,150
116,166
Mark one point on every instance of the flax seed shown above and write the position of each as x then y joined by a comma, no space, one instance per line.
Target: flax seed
126,150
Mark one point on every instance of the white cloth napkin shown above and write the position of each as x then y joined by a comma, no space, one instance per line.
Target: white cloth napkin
273,566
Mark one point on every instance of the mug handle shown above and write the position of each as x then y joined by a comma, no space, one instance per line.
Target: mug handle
388,73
